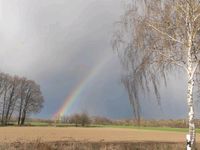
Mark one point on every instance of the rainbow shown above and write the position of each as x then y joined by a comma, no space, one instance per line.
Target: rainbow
76,92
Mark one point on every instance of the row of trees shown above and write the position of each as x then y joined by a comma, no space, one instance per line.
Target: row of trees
83,119
18,98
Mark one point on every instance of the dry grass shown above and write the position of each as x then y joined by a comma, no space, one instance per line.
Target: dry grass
37,145
51,138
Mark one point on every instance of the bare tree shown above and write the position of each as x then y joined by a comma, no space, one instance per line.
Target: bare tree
22,94
33,101
12,97
156,38
18,95
82,119
75,119
8,95
3,94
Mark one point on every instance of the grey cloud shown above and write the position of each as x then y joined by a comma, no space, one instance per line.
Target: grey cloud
57,42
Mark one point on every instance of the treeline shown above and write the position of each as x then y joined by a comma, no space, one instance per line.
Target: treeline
83,119
19,97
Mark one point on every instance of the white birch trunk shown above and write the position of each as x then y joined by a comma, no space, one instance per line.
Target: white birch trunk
191,110
191,71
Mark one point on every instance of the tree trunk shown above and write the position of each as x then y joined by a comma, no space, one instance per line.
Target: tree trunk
20,112
12,109
191,70
191,111
9,105
23,118
25,107
4,105
19,118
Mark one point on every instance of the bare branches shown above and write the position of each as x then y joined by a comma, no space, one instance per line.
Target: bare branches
194,70
165,34
156,40
18,96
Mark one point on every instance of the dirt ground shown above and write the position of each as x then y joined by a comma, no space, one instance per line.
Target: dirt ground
51,134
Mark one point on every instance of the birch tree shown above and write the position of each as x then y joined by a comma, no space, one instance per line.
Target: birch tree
155,38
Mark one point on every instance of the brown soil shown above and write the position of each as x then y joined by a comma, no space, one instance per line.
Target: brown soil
51,134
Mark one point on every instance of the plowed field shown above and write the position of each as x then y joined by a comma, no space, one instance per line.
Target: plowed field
51,134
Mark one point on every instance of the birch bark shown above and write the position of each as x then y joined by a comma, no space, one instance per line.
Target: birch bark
190,72
191,105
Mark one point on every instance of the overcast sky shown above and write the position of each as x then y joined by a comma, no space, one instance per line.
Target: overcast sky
58,42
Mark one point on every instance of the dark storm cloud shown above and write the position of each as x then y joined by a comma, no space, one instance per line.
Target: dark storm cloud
57,42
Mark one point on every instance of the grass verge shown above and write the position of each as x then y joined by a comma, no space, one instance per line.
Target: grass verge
75,145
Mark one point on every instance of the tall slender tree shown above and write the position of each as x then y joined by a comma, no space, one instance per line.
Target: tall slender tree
3,94
155,38
22,95
11,97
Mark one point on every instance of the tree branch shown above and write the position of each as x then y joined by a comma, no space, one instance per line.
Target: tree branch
173,60
165,34
196,17
194,69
